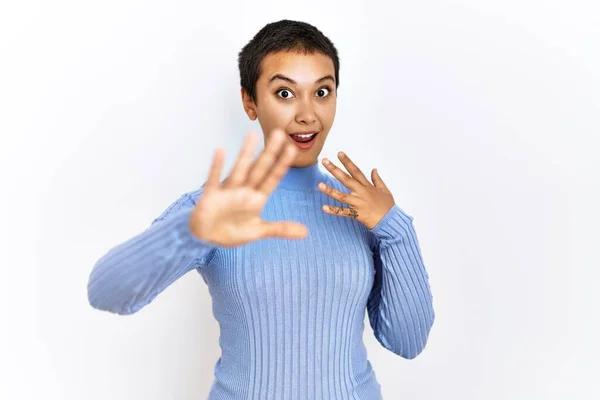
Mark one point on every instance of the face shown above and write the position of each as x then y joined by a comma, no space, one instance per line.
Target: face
296,94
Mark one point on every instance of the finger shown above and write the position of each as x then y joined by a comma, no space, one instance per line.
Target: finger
342,197
285,229
342,176
349,212
353,169
266,160
243,161
279,169
377,181
216,168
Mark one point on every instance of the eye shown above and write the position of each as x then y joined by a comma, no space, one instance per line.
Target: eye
323,92
285,93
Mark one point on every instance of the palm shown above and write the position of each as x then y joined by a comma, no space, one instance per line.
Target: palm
229,213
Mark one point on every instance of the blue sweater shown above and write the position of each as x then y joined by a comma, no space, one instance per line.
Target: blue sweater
291,312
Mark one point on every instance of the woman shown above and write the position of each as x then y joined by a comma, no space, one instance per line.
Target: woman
290,278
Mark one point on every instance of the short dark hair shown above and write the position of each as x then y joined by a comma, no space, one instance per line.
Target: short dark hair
284,35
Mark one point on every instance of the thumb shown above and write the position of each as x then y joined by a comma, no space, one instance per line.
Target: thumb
285,229
377,181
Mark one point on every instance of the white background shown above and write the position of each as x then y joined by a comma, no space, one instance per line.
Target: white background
482,117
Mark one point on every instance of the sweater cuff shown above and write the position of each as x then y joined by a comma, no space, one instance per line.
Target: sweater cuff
394,224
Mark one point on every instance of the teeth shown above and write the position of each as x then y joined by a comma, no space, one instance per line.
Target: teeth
306,136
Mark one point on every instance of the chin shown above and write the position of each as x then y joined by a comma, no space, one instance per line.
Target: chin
304,162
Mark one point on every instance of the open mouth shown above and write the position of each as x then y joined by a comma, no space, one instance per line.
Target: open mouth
304,138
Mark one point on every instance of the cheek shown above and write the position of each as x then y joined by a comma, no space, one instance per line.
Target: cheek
327,114
276,114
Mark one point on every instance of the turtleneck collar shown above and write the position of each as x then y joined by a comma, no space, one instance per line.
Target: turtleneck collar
301,178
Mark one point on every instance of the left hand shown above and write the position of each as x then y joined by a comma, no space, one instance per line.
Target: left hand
369,202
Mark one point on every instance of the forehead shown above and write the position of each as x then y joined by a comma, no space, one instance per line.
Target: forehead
303,68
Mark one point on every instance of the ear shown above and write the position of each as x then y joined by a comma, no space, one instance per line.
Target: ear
249,105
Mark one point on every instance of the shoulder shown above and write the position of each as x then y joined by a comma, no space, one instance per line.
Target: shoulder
195,194
183,201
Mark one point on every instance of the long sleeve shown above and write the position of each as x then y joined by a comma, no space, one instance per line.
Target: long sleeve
400,305
132,274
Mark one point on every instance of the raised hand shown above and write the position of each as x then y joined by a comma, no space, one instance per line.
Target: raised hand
368,202
228,213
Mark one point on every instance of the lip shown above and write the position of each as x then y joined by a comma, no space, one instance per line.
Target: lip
304,133
304,146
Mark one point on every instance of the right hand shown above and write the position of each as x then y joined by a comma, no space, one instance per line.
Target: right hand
228,214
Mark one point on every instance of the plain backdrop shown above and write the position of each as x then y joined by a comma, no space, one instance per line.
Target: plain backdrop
481,116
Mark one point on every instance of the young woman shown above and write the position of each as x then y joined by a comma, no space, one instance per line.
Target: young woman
292,256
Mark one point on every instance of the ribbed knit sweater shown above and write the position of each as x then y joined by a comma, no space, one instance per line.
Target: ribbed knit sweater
291,311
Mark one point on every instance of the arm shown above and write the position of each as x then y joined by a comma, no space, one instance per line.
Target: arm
132,274
400,303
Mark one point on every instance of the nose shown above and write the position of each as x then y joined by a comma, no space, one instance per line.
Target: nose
305,114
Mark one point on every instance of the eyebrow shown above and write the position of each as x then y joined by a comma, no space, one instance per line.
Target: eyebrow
290,80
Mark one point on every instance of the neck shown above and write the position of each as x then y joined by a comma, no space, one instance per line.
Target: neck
300,178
